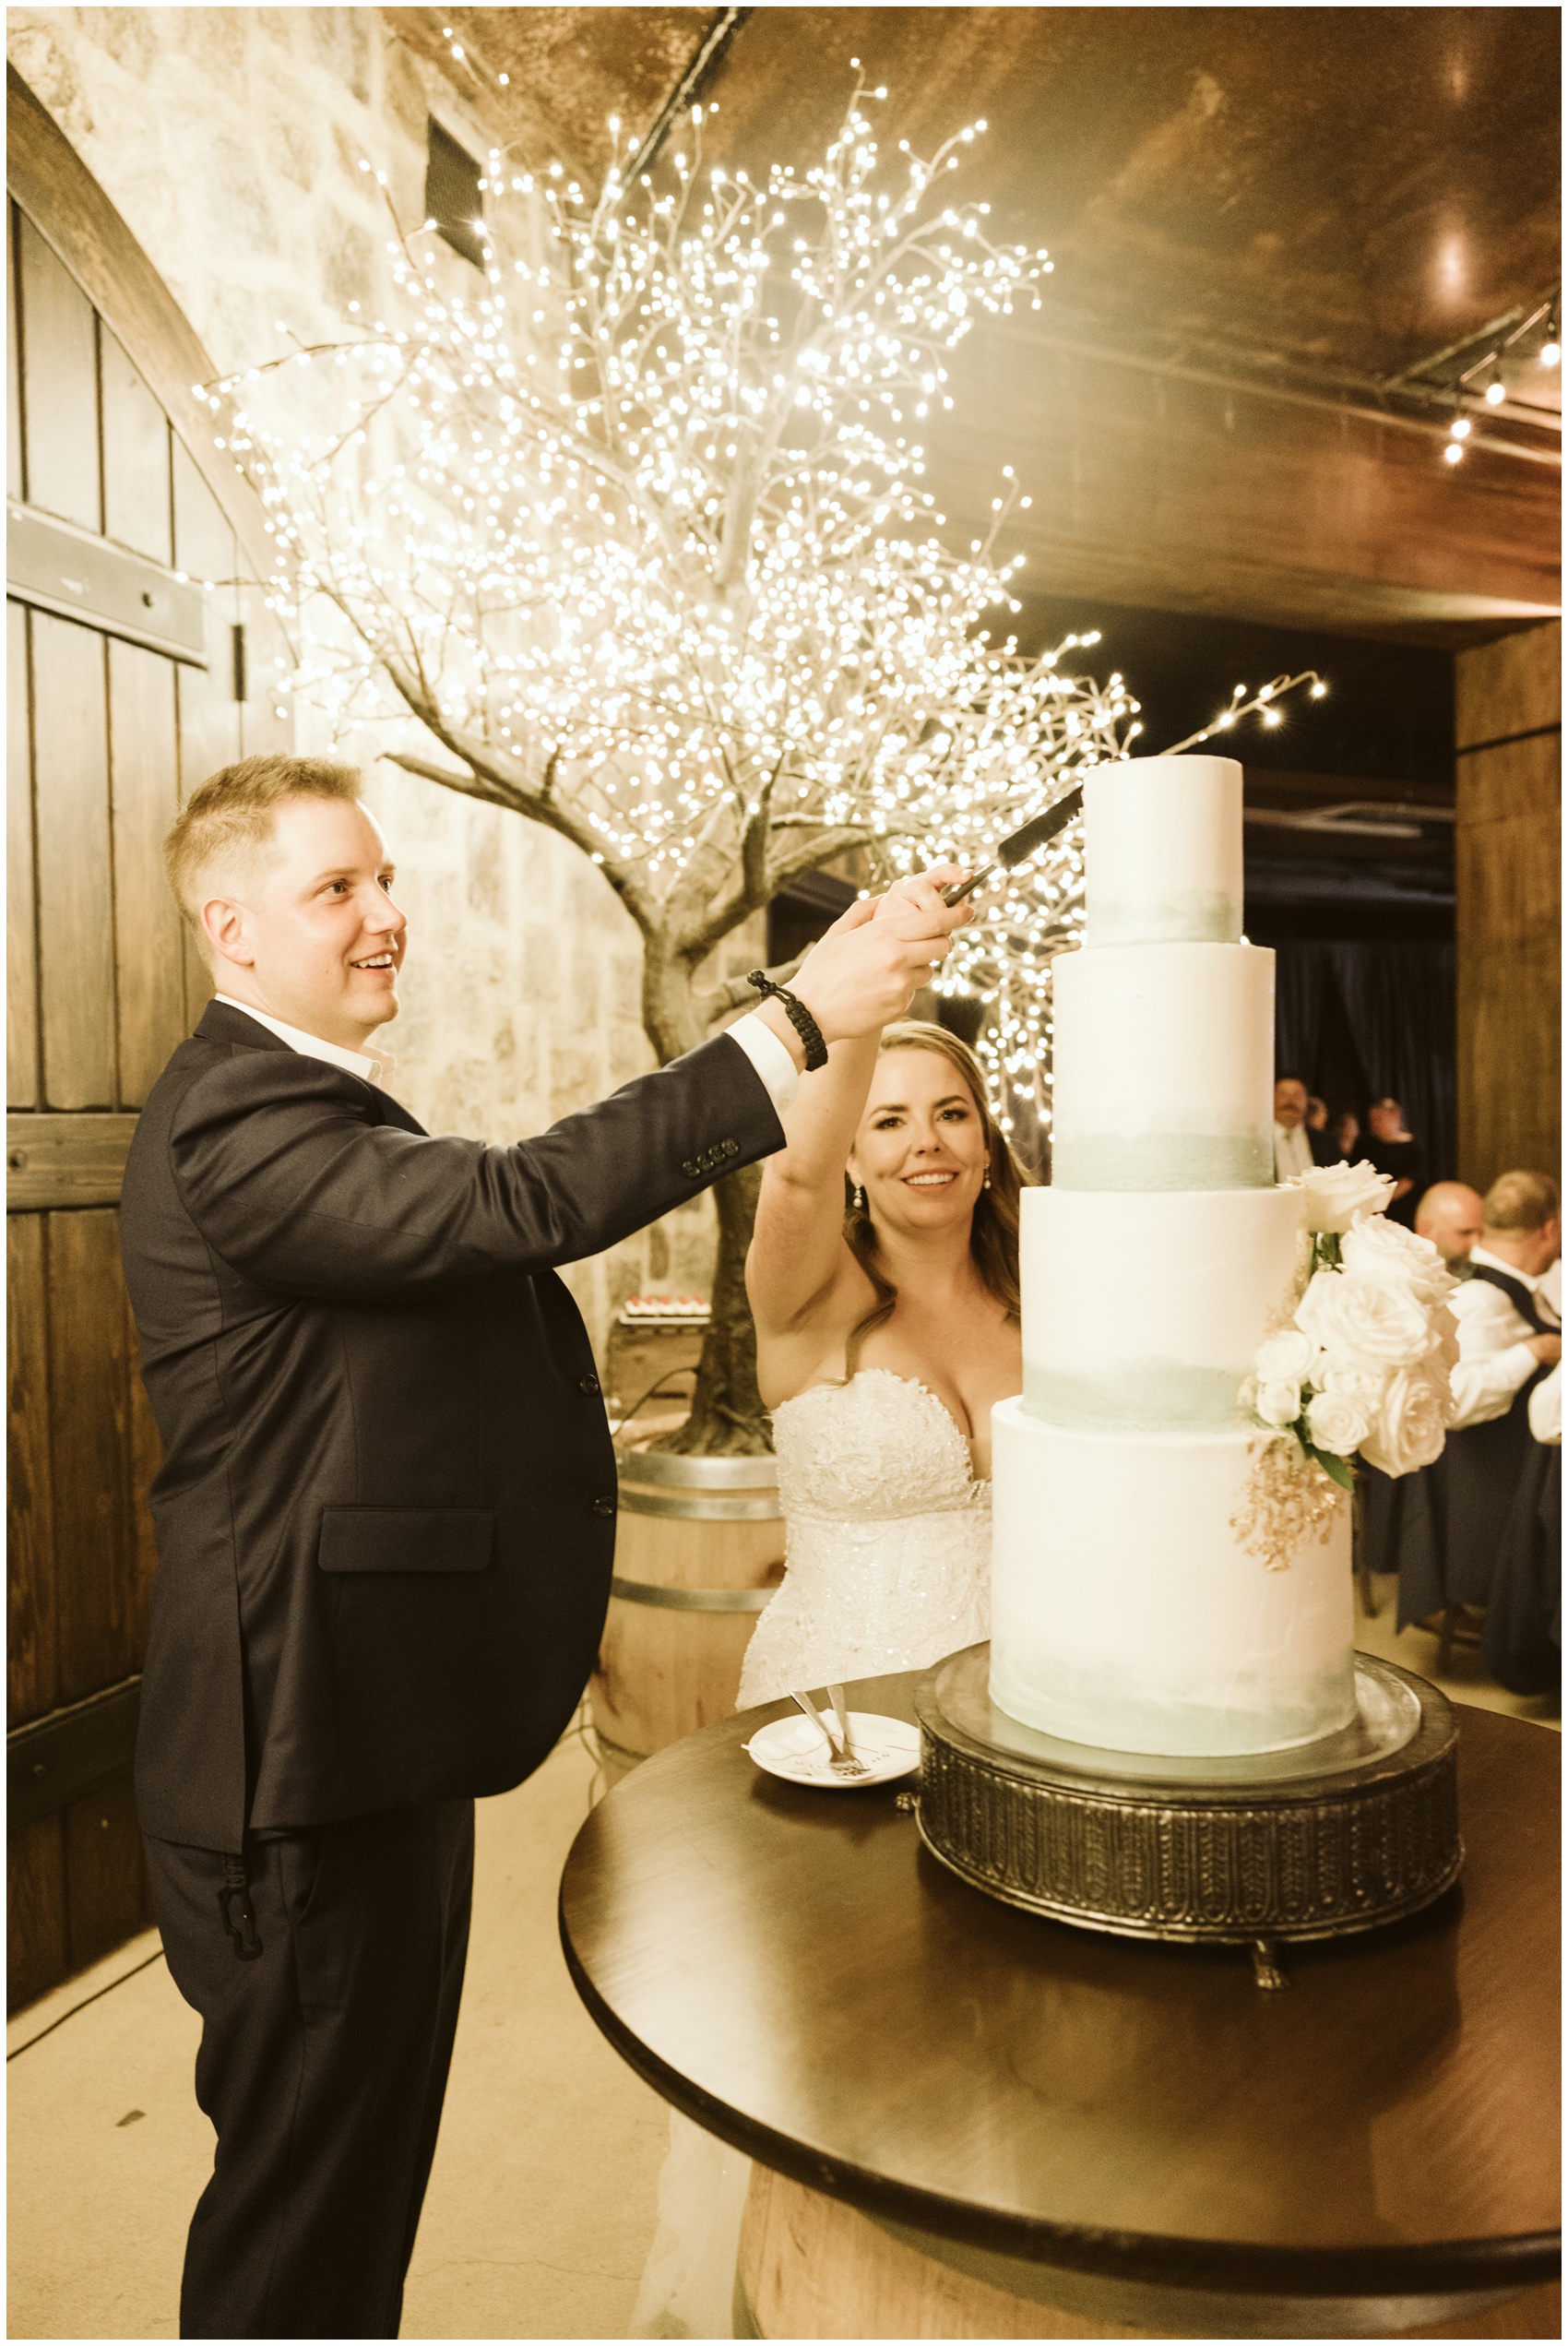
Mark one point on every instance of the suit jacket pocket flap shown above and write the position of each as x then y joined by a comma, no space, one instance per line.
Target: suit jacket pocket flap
406,1538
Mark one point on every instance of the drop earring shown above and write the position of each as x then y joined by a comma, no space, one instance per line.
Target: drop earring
985,1178
860,1198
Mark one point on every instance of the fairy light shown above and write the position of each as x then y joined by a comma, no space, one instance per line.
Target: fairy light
1037,912
639,535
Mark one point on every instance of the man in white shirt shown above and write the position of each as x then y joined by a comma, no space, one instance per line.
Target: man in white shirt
1292,1141
1457,1517
1451,1215
1514,1287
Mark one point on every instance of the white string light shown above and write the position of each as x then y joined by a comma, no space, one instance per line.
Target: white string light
640,535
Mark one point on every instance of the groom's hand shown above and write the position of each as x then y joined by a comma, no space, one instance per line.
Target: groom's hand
923,891
865,971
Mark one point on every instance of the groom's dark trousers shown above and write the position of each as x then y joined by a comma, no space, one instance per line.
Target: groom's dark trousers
386,1521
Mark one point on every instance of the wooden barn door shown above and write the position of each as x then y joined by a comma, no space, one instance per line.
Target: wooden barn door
125,668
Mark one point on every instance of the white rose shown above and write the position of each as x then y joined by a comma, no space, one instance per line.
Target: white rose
1359,1381
1279,1401
1408,1429
1286,1358
1338,1422
1339,1194
1444,1354
1367,1318
1377,1248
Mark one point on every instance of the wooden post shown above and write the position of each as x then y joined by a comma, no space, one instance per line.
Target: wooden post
1508,710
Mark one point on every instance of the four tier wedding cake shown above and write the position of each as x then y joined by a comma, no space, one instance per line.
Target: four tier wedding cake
1130,1608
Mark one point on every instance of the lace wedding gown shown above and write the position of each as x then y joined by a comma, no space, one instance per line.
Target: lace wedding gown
887,1545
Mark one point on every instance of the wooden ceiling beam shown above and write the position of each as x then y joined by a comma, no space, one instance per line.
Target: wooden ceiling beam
1186,496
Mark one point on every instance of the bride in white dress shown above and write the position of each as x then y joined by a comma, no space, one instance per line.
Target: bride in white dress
884,1279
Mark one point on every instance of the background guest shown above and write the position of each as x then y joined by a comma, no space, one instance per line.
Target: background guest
1509,1312
1395,1151
1292,1142
1522,1644
1319,1137
1450,1214
1458,1518
1347,1133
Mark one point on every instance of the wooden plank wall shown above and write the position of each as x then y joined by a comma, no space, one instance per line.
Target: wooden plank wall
1508,708
103,739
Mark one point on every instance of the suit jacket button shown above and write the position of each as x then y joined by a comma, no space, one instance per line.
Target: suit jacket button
604,1506
691,1167
731,1148
588,1385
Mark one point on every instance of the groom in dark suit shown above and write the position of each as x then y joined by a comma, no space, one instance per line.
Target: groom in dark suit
386,1511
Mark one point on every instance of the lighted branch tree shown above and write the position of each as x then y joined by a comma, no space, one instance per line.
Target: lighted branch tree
649,557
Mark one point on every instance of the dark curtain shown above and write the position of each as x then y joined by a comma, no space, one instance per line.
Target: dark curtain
1300,972
1397,1001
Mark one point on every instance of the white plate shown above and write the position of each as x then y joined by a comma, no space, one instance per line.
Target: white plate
792,1748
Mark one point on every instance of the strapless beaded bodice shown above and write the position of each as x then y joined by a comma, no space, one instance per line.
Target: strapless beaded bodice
887,1538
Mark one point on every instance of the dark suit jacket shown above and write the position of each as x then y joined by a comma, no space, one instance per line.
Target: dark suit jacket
386,1511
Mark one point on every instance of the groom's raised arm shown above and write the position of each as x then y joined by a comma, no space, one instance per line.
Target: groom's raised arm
286,1168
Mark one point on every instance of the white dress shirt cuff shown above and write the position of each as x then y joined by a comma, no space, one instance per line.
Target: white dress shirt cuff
1516,1364
771,1059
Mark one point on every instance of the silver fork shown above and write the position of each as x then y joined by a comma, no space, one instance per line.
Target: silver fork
843,1763
840,1712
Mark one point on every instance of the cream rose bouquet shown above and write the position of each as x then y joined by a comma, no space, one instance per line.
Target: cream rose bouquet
1363,1361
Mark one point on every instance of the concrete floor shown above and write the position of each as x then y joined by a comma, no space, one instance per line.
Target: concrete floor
540,2207
541,2204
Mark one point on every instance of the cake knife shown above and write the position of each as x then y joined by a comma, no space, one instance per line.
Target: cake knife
1019,845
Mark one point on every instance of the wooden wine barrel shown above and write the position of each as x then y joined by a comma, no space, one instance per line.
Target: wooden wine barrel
699,1550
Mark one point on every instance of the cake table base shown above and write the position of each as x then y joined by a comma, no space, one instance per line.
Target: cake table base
1340,1835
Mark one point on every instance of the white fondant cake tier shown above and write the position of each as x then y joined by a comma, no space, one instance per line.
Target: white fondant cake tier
1144,1312
1162,844
1163,1067
1124,1613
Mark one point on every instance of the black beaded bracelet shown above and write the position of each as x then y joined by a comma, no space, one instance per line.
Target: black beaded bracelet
799,1017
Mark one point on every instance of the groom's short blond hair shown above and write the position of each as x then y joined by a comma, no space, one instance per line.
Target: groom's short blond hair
227,823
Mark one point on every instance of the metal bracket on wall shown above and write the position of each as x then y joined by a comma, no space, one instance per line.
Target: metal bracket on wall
75,575
53,1761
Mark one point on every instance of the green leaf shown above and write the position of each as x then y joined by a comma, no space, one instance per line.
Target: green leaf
1337,1469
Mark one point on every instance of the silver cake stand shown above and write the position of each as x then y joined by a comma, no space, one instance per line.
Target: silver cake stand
1344,1834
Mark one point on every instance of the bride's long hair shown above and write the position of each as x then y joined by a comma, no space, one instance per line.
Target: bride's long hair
993,1229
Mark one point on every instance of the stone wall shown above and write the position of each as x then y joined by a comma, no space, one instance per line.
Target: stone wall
234,142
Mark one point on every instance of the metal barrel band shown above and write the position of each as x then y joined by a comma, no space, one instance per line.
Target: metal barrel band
693,1600
678,1471
702,1507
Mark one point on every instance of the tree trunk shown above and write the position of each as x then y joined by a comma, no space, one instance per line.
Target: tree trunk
728,1419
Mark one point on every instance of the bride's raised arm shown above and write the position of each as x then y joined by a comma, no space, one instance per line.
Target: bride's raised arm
798,1256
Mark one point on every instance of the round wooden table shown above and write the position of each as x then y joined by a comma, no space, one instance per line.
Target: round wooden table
970,2122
